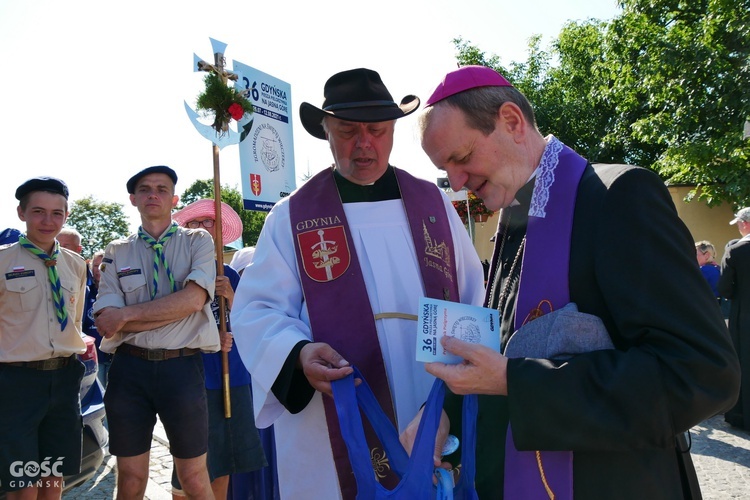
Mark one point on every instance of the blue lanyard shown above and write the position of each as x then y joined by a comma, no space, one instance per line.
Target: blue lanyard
444,484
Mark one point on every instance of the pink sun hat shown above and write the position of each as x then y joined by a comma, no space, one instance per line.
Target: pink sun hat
231,224
467,78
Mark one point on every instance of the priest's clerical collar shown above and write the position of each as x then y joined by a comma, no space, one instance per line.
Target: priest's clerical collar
523,196
385,188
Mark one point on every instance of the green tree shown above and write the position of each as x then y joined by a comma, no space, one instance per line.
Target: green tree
665,85
99,223
684,85
252,221
566,102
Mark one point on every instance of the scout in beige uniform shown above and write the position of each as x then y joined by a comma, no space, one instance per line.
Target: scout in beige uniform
153,310
42,287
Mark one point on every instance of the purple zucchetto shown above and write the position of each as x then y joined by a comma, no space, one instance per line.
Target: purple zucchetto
466,78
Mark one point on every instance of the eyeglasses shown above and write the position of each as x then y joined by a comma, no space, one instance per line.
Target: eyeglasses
194,224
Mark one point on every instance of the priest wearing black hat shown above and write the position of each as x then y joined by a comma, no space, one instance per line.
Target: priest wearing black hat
42,291
344,260
154,311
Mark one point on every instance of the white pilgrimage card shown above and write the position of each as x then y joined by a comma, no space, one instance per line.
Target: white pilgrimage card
438,318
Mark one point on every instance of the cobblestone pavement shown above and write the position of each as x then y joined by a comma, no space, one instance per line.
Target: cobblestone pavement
103,484
721,455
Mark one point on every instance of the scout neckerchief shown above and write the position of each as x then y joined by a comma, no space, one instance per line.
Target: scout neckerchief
54,278
335,292
159,256
544,287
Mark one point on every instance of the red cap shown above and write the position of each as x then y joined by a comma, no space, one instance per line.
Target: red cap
467,78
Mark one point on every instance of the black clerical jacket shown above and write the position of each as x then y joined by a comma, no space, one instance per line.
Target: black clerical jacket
621,411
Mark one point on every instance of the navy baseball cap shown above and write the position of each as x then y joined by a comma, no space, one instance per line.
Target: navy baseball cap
159,169
49,184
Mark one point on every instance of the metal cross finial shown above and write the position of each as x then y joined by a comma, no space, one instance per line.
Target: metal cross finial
224,136
219,62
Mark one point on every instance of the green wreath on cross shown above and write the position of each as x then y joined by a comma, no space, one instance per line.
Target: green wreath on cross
222,102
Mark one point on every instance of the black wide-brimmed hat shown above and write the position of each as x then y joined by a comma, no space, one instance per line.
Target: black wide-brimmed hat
357,95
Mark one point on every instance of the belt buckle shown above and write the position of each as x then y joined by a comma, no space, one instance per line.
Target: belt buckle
50,364
156,354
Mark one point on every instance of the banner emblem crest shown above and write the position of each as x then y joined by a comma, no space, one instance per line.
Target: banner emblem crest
255,184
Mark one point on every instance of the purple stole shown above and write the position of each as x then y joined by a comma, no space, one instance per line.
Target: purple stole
543,288
336,296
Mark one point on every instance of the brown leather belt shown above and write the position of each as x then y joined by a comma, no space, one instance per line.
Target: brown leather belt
44,364
155,354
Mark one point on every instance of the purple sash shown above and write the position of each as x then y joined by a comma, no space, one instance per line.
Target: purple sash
336,296
543,288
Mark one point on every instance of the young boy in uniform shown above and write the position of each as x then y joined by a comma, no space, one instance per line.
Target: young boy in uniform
42,290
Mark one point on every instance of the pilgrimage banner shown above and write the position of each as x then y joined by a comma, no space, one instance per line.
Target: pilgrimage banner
267,148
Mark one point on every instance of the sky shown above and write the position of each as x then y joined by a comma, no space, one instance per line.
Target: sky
92,92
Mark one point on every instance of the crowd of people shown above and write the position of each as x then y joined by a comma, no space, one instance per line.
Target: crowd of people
734,285
603,369
730,284
153,310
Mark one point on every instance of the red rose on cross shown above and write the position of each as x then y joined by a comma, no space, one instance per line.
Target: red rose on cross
236,111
